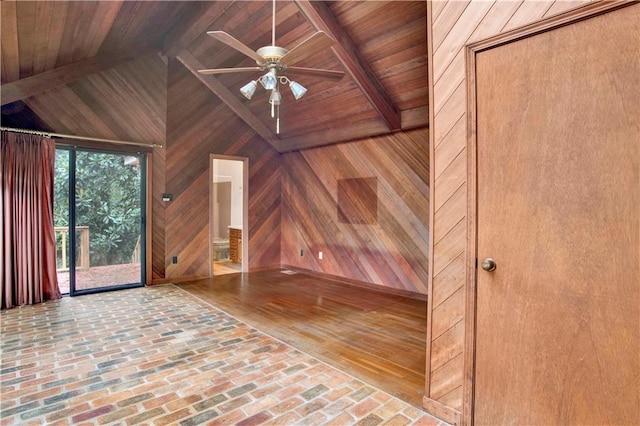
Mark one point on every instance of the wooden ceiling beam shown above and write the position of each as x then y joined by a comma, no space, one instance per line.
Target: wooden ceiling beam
321,17
40,83
220,90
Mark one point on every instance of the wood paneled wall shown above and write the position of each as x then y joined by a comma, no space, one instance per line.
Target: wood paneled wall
453,25
158,216
126,102
393,251
199,124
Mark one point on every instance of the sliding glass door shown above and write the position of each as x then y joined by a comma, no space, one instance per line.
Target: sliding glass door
99,213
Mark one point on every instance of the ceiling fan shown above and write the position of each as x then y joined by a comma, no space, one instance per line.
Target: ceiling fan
277,62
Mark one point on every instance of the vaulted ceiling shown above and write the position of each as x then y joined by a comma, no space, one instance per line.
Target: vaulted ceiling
381,48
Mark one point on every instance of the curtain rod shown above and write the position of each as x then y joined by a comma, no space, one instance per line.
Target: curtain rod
85,138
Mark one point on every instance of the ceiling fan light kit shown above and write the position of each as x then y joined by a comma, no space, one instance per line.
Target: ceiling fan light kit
269,80
297,89
249,89
277,60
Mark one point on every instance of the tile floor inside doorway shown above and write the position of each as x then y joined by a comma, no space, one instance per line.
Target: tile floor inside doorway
222,267
158,355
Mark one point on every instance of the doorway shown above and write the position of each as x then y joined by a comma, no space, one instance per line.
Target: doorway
557,238
98,216
228,218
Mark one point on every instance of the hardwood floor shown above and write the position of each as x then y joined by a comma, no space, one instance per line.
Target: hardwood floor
376,337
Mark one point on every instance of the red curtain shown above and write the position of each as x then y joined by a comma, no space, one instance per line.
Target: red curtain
28,250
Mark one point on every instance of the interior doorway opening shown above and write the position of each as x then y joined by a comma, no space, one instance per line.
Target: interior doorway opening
228,215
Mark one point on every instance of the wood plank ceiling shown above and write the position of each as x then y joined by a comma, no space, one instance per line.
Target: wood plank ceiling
381,47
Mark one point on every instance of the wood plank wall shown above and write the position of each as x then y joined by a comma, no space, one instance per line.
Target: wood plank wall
453,25
393,251
158,216
199,124
126,102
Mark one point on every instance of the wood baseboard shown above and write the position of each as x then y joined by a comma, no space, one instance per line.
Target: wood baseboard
357,283
441,411
264,268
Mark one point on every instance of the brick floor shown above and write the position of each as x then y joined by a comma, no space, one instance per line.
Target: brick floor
159,356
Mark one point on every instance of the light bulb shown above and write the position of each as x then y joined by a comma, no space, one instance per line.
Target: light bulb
297,89
249,89
269,80
275,97
274,100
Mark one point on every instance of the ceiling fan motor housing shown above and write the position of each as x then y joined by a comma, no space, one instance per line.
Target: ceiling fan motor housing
272,53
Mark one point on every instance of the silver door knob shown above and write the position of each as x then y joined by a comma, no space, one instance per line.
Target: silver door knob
488,264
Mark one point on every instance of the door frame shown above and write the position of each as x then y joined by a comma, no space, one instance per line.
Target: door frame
245,208
581,13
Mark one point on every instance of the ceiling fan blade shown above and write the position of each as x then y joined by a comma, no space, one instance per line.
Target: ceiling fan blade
310,46
229,70
238,45
314,72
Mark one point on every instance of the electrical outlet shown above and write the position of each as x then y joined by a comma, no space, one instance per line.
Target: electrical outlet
320,255
301,252
174,260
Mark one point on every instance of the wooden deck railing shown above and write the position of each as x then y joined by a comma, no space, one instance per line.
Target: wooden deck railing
135,256
84,246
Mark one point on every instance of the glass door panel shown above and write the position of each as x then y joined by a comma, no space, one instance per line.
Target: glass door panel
61,219
108,220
